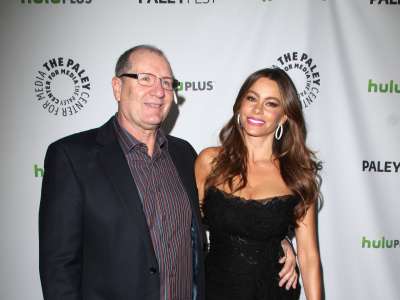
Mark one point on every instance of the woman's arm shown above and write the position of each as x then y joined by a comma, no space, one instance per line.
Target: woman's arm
202,168
308,255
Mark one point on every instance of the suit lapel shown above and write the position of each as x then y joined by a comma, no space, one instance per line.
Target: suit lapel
116,167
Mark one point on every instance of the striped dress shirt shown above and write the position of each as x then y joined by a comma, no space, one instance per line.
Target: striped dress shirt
167,209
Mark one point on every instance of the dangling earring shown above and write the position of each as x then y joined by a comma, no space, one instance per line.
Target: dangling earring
175,98
238,120
278,132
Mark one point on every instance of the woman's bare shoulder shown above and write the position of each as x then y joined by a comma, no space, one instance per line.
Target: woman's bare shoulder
204,161
207,155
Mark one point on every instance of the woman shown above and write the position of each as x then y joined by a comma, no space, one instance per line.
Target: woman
258,184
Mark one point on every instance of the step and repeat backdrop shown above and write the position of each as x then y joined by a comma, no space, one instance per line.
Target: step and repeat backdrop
57,61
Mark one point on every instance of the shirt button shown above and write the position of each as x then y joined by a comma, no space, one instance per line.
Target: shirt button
153,271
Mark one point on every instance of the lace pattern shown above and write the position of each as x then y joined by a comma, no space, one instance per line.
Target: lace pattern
245,236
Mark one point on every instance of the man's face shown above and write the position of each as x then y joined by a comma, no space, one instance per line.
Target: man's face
143,107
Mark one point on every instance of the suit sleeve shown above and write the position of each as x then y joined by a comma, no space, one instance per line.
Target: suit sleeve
60,228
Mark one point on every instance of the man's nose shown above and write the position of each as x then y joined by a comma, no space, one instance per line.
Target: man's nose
158,89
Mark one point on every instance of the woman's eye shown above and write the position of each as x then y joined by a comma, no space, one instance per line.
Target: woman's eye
250,98
271,104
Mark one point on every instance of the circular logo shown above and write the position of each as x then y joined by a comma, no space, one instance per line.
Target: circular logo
62,86
304,73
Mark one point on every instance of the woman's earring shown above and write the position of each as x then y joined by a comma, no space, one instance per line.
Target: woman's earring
238,119
278,132
175,98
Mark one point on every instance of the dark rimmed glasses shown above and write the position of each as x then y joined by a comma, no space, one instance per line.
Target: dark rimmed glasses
148,79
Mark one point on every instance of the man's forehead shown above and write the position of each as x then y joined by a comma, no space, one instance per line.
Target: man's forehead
143,58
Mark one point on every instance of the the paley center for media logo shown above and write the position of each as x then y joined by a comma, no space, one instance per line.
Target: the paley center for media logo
62,86
304,72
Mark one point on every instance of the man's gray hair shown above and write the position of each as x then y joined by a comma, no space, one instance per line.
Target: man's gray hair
123,63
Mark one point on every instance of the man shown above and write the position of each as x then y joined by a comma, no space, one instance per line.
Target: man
119,215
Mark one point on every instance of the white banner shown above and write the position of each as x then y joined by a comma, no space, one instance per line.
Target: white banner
58,57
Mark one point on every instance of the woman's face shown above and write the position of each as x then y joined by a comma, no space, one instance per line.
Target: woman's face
261,109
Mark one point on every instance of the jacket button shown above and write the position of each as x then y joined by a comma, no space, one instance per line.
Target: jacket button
153,270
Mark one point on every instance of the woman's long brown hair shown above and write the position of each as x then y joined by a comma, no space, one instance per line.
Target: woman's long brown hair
298,164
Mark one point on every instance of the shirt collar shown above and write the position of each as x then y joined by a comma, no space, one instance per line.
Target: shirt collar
129,142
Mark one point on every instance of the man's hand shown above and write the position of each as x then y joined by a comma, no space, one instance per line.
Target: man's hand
288,274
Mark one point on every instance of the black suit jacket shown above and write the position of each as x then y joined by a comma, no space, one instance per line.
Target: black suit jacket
93,237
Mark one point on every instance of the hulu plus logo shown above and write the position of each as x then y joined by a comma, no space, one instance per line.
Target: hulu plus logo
56,1
176,1
196,86
388,87
379,244
38,171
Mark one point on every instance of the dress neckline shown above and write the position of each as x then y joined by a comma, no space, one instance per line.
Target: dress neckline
262,201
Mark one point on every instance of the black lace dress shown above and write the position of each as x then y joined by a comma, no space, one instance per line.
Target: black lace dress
245,246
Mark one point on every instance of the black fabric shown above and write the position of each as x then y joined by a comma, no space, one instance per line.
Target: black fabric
94,243
245,246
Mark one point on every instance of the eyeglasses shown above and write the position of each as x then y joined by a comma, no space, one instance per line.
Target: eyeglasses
148,79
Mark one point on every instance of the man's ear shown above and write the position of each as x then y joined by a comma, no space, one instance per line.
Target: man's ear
116,84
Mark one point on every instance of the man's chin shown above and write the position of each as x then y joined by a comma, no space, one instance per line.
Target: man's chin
153,123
